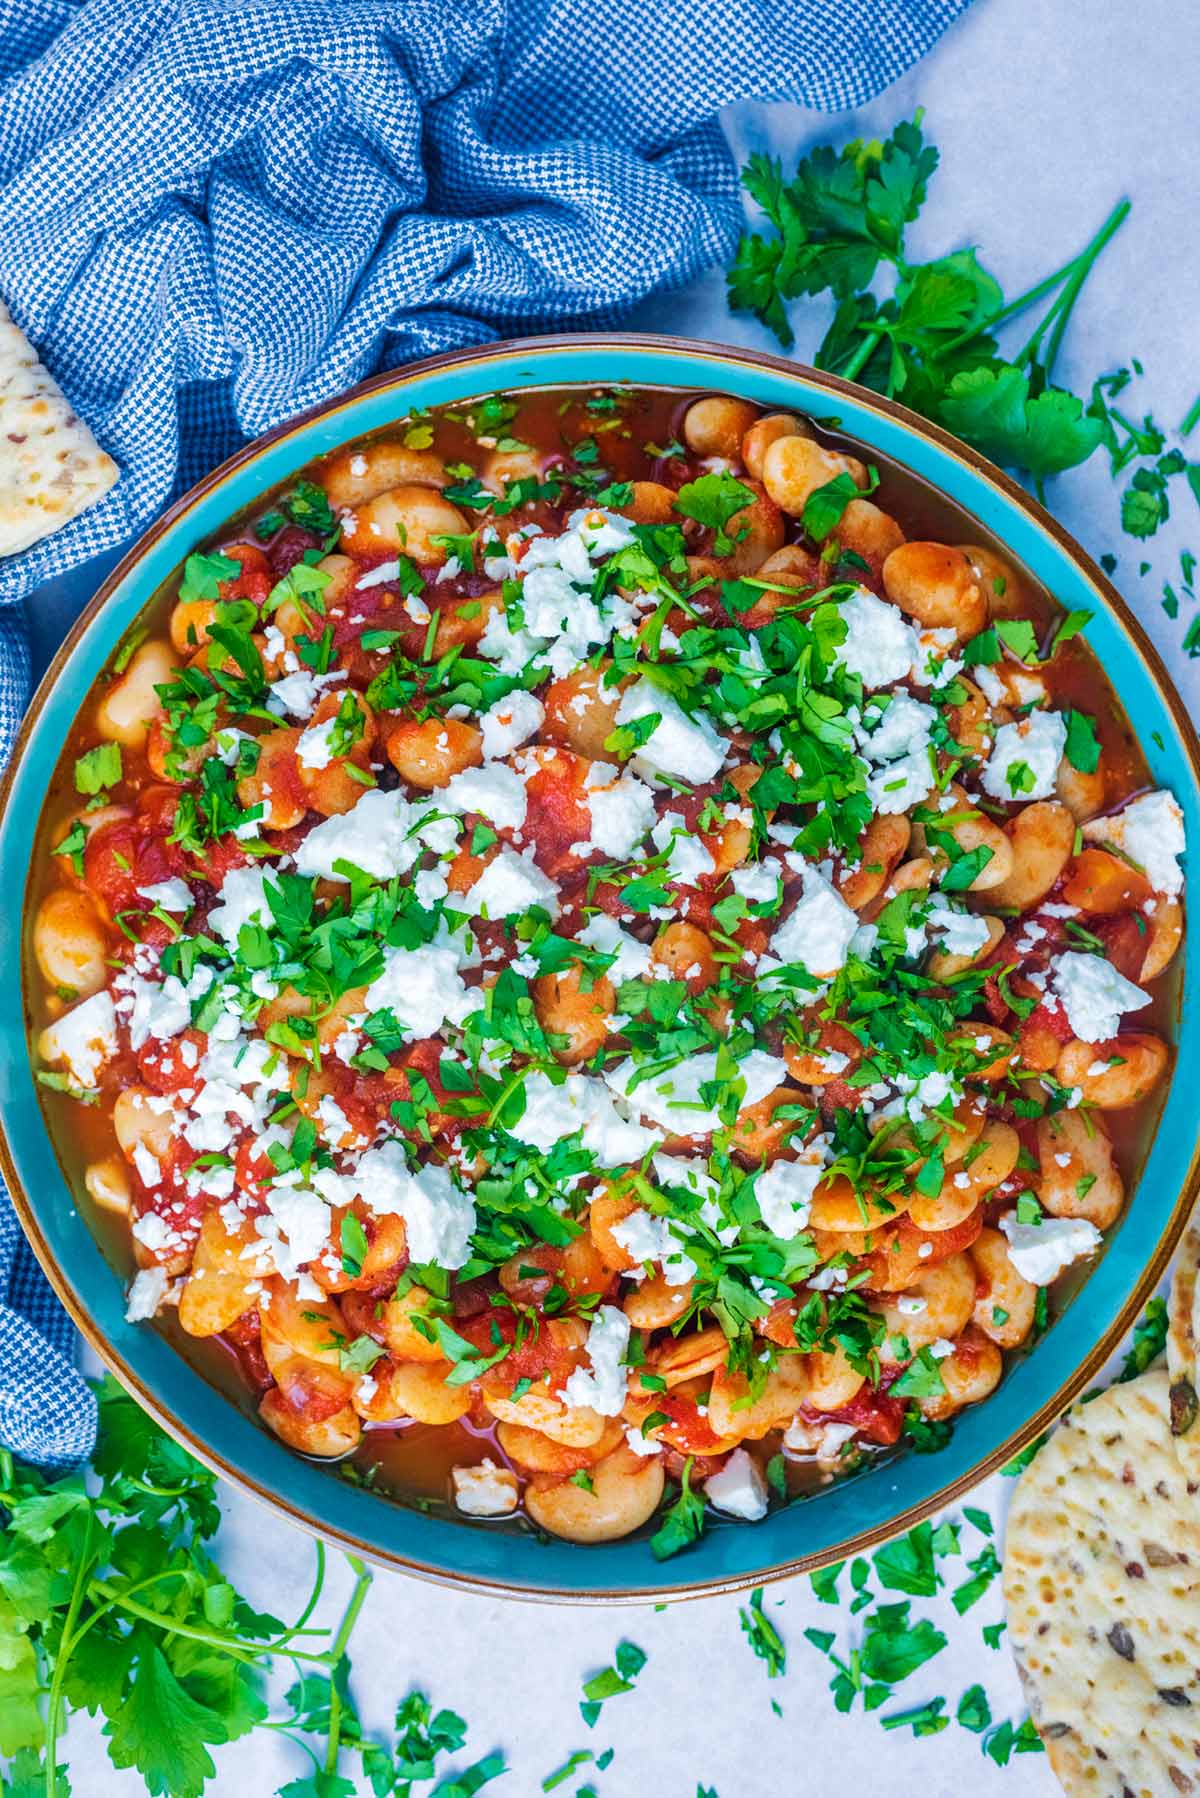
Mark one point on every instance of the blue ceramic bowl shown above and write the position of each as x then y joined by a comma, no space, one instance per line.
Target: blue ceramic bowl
845,1517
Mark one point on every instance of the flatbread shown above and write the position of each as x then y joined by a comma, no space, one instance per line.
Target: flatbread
51,467
1183,1328
1102,1581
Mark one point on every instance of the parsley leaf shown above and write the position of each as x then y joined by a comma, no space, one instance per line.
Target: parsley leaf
682,1522
1083,745
98,769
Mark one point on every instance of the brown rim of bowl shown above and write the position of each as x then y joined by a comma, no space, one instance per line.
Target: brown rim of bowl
685,349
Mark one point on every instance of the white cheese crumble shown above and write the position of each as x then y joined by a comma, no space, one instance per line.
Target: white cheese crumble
962,933
1094,995
605,934
508,887
315,747
380,835
784,1192
602,1388
438,1215
1025,757
243,901
689,747
645,1237
554,1112
622,812
169,895
687,858
424,988
738,1488
673,1098
818,932
756,882
1039,1252
1150,832
147,1290
295,1228
881,646
83,1039
494,790
509,722
484,1490
562,619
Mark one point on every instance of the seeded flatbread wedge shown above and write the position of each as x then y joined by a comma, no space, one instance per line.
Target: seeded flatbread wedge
51,467
1102,1582
1183,1329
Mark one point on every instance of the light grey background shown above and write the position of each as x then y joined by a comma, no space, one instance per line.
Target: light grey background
1045,114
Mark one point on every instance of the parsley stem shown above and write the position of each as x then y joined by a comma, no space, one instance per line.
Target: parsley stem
871,336
1193,418
63,1659
335,1727
1070,293
120,1601
991,319
358,1597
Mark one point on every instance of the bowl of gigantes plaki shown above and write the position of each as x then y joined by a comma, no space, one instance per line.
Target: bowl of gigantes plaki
624,1005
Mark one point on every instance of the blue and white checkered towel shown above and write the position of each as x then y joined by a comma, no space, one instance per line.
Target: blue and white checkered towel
214,213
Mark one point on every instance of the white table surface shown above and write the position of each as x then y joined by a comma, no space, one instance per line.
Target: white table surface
1045,114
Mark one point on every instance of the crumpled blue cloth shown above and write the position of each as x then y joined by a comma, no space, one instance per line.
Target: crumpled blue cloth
214,213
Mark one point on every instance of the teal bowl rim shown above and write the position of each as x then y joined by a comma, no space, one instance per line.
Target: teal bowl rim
851,1515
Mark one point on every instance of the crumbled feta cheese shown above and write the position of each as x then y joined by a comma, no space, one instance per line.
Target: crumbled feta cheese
756,882
818,931
901,728
1039,1252
881,646
295,1228
622,812
688,859
511,650
603,1388
484,1490
1025,757
605,934
510,721
784,1191
962,933
738,1488
375,835
645,1237
438,1215
83,1039
1094,995
934,665
898,786
494,790
554,1112
296,695
556,575
1150,832
335,1125
169,895
687,746
642,1445
147,1291
148,1170
510,886
243,901
315,747
424,988
673,1099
